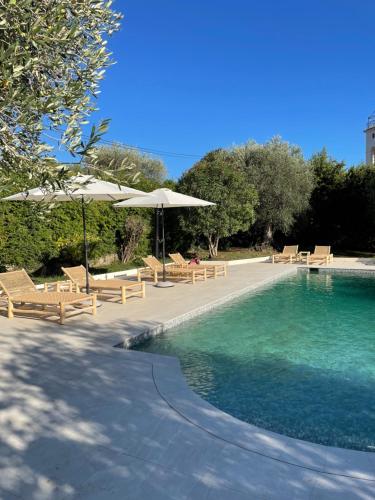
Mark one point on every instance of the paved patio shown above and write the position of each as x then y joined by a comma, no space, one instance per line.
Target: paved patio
81,419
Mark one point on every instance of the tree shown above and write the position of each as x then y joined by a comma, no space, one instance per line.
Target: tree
323,220
358,208
217,178
130,237
119,162
283,181
52,57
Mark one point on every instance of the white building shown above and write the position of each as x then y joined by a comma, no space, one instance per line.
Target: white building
370,140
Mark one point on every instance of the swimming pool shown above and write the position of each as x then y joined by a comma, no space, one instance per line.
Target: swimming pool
297,358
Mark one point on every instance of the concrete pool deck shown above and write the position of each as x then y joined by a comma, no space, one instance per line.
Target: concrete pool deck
80,419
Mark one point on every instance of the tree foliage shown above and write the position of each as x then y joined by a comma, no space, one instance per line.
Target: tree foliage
119,162
217,178
322,222
43,238
283,181
358,209
53,55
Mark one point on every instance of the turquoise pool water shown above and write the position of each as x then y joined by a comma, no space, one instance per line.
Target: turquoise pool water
296,358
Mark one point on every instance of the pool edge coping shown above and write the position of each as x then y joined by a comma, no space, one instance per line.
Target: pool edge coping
172,386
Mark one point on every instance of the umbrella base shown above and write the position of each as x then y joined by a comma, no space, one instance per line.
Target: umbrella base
164,284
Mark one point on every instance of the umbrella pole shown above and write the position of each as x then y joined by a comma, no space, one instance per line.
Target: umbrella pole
163,283
157,233
85,246
163,236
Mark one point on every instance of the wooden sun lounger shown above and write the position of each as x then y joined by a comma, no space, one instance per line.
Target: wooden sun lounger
22,297
289,254
154,270
322,255
213,270
106,288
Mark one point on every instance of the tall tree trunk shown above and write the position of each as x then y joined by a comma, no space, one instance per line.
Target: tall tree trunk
213,244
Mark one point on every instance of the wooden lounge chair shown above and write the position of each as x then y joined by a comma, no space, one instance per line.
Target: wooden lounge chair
23,297
289,254
322,255
111,288
213,270
154,270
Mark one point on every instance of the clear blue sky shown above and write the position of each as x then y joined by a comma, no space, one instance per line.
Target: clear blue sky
194,76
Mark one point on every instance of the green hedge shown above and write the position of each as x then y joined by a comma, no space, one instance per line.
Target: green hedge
41,240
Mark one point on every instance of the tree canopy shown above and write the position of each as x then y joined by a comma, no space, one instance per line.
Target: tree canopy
358,209
53,55
322,221
283,181
217,178
120,162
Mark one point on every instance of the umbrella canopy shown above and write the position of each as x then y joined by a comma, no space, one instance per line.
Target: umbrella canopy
84,188
79,186
164,198
161,199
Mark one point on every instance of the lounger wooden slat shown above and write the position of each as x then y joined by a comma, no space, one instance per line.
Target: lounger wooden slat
213,269
288,255
22,297
154,270
105,288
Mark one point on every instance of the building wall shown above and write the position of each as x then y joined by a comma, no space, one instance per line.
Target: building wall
370,145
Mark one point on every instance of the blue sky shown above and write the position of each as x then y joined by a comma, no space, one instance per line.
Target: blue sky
194,76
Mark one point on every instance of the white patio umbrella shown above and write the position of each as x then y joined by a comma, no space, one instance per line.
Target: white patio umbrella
84,188
161,199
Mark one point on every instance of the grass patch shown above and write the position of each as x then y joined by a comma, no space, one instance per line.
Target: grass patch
115,267
38,280
239,253
110,268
